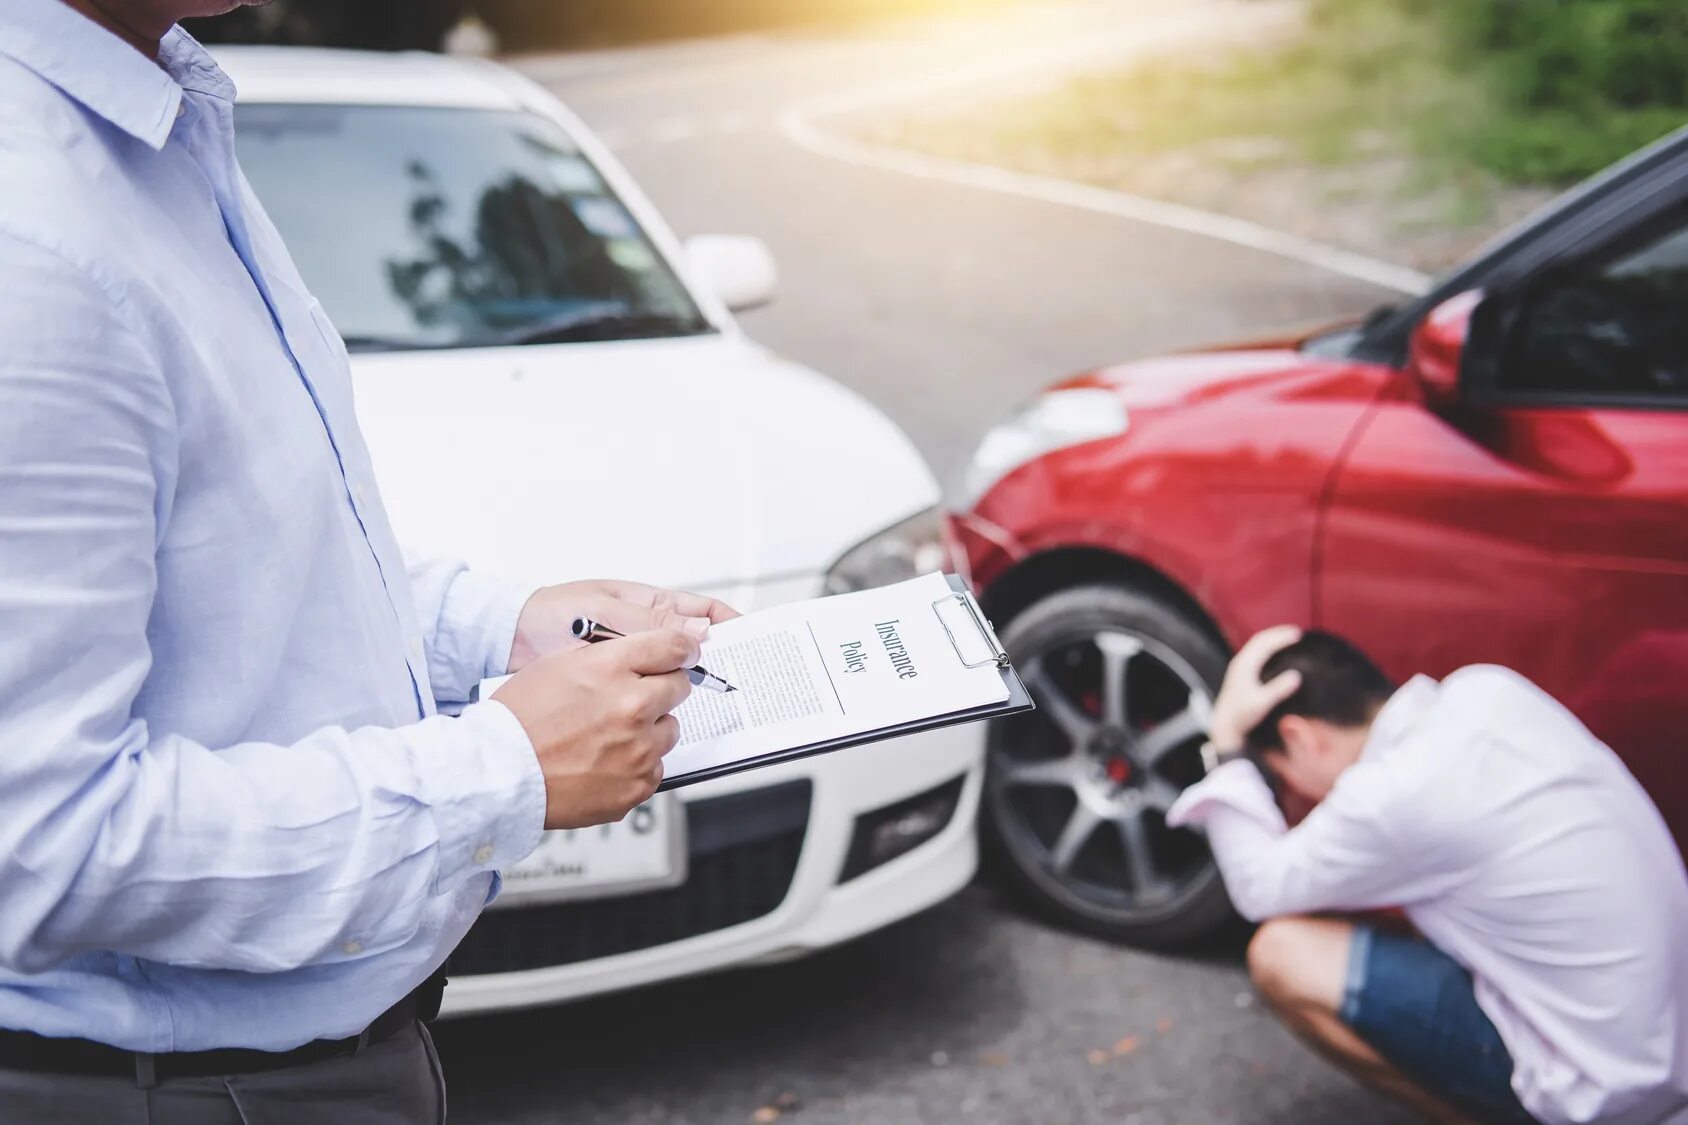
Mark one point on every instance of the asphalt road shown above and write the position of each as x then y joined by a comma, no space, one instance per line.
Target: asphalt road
946,305
967,1013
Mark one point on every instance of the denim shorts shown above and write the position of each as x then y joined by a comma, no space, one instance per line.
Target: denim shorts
1415,1006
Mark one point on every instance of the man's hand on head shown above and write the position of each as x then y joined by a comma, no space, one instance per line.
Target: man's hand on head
1243,700
626,607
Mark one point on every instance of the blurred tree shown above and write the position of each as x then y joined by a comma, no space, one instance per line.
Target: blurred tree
389,25
1579,82
1571,54
531,24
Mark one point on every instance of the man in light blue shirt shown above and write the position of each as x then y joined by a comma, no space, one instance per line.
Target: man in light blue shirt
235,835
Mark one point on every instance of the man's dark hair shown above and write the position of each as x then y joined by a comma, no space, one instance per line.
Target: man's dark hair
1339,685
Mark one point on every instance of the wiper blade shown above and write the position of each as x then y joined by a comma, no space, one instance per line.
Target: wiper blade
356,344
613,322
603,321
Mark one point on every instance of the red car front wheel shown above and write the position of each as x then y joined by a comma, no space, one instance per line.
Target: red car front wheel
1077,791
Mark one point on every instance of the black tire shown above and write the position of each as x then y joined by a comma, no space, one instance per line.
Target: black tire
1057,641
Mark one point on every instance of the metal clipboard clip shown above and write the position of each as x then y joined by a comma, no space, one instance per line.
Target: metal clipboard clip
999,657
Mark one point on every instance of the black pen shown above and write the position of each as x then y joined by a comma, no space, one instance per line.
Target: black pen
588,630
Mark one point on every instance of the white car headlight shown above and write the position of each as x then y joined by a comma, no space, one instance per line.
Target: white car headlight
916,546
1051,421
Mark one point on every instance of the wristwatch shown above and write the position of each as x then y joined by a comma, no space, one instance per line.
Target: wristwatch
1213,757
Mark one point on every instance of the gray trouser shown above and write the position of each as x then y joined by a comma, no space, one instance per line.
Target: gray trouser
394,1082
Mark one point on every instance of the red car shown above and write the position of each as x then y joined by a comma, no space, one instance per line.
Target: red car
1497,472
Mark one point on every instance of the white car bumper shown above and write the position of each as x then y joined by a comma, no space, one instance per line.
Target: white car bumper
816,910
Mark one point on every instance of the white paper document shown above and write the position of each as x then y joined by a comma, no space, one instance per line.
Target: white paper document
834,668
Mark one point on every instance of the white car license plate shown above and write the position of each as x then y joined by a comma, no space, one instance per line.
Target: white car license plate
647,850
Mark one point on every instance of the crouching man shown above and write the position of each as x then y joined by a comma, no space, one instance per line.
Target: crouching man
1551,978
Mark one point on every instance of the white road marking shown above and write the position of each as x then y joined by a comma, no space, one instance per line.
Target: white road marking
1067,193
676,129
799,124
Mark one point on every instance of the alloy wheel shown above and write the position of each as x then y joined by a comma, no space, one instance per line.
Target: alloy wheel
1080,788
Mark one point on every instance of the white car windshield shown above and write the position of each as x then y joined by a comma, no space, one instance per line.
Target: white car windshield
422,227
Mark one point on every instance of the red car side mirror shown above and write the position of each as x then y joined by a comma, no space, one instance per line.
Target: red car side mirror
1434,351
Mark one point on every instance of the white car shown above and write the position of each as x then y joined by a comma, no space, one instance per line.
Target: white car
553,387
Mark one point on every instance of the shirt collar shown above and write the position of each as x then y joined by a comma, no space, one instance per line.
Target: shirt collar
1401,713
106,75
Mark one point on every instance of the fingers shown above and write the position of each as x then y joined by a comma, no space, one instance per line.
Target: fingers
695,606
663,694
1243,700
1264,645
649,783
655,653
633,607
692,614
667,734
1279,689
638,607
665,612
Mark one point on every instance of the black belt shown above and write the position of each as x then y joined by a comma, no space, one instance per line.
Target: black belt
23,1050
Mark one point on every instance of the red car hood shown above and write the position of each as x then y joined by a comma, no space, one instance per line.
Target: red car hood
1168,380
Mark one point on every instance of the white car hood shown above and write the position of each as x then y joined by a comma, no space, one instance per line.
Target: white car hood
700,462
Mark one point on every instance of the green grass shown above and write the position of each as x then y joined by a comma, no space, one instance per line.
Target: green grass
1320,98
1332,89
1570,85
1417,77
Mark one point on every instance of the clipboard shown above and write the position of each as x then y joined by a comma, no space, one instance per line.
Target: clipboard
975,644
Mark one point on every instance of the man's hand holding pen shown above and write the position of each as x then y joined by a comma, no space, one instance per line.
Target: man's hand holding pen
590,631
599,716
627,607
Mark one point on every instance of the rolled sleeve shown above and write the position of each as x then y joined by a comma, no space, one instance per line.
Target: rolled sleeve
469,624
1355,851
487,793
1235,786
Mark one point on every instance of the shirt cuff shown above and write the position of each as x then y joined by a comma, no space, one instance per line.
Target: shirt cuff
1235,785
477,627
486,790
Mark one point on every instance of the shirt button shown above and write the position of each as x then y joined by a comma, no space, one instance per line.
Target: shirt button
483,854
353,948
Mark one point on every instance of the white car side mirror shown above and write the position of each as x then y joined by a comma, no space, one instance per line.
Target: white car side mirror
738,269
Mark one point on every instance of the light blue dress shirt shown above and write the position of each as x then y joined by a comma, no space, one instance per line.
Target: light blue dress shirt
229,814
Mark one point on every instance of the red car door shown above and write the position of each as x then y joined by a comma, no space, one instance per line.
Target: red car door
1547,531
